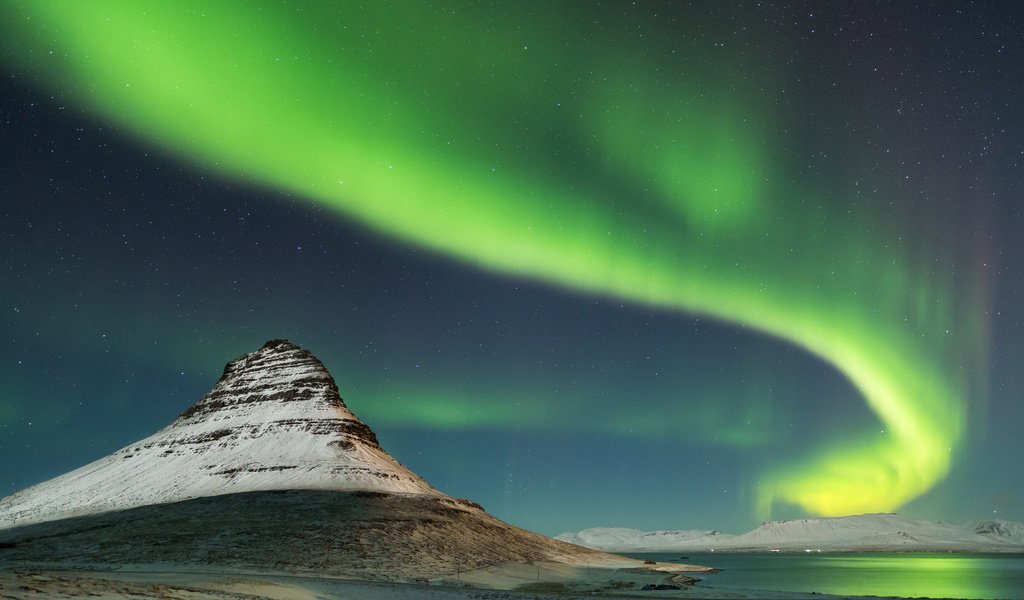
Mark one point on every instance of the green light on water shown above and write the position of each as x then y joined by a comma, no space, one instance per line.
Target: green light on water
916,575
904,575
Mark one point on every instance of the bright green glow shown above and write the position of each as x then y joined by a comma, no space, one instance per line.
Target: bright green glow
474,144
719,423
445,411
704,166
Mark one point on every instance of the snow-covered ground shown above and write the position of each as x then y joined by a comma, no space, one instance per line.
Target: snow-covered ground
874,532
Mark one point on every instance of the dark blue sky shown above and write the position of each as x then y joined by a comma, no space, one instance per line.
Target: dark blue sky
130,276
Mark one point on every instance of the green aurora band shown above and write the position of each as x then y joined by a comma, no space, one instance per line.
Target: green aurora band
490,137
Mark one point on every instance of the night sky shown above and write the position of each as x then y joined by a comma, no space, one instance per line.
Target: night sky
642,264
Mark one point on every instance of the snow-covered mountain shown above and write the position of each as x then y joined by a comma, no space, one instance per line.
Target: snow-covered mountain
864,532
268,472
621,538
1009,531
274,421
874,532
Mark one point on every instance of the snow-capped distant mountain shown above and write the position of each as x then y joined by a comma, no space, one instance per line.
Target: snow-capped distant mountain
274,421
875,532
855,532
1009,531
620,538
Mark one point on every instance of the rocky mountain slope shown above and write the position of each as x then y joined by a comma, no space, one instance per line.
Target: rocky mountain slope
358,535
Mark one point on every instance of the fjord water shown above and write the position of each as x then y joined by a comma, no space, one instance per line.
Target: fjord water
934,575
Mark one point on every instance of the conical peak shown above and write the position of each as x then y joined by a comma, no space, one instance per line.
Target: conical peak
278,373
280,384
275,354
278,343
274,421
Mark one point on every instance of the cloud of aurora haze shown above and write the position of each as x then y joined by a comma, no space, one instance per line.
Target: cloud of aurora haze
496,138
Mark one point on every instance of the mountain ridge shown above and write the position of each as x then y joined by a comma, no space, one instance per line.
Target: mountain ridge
855,533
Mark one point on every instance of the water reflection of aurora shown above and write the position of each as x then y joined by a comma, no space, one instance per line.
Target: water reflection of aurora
930,575
935,576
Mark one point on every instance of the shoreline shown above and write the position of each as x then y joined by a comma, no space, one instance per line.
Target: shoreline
26,581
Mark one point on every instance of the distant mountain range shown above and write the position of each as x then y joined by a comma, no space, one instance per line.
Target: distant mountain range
860,533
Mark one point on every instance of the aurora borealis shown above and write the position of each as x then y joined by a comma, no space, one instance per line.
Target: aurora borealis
763,234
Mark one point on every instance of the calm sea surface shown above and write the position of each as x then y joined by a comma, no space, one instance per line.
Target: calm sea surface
875,574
